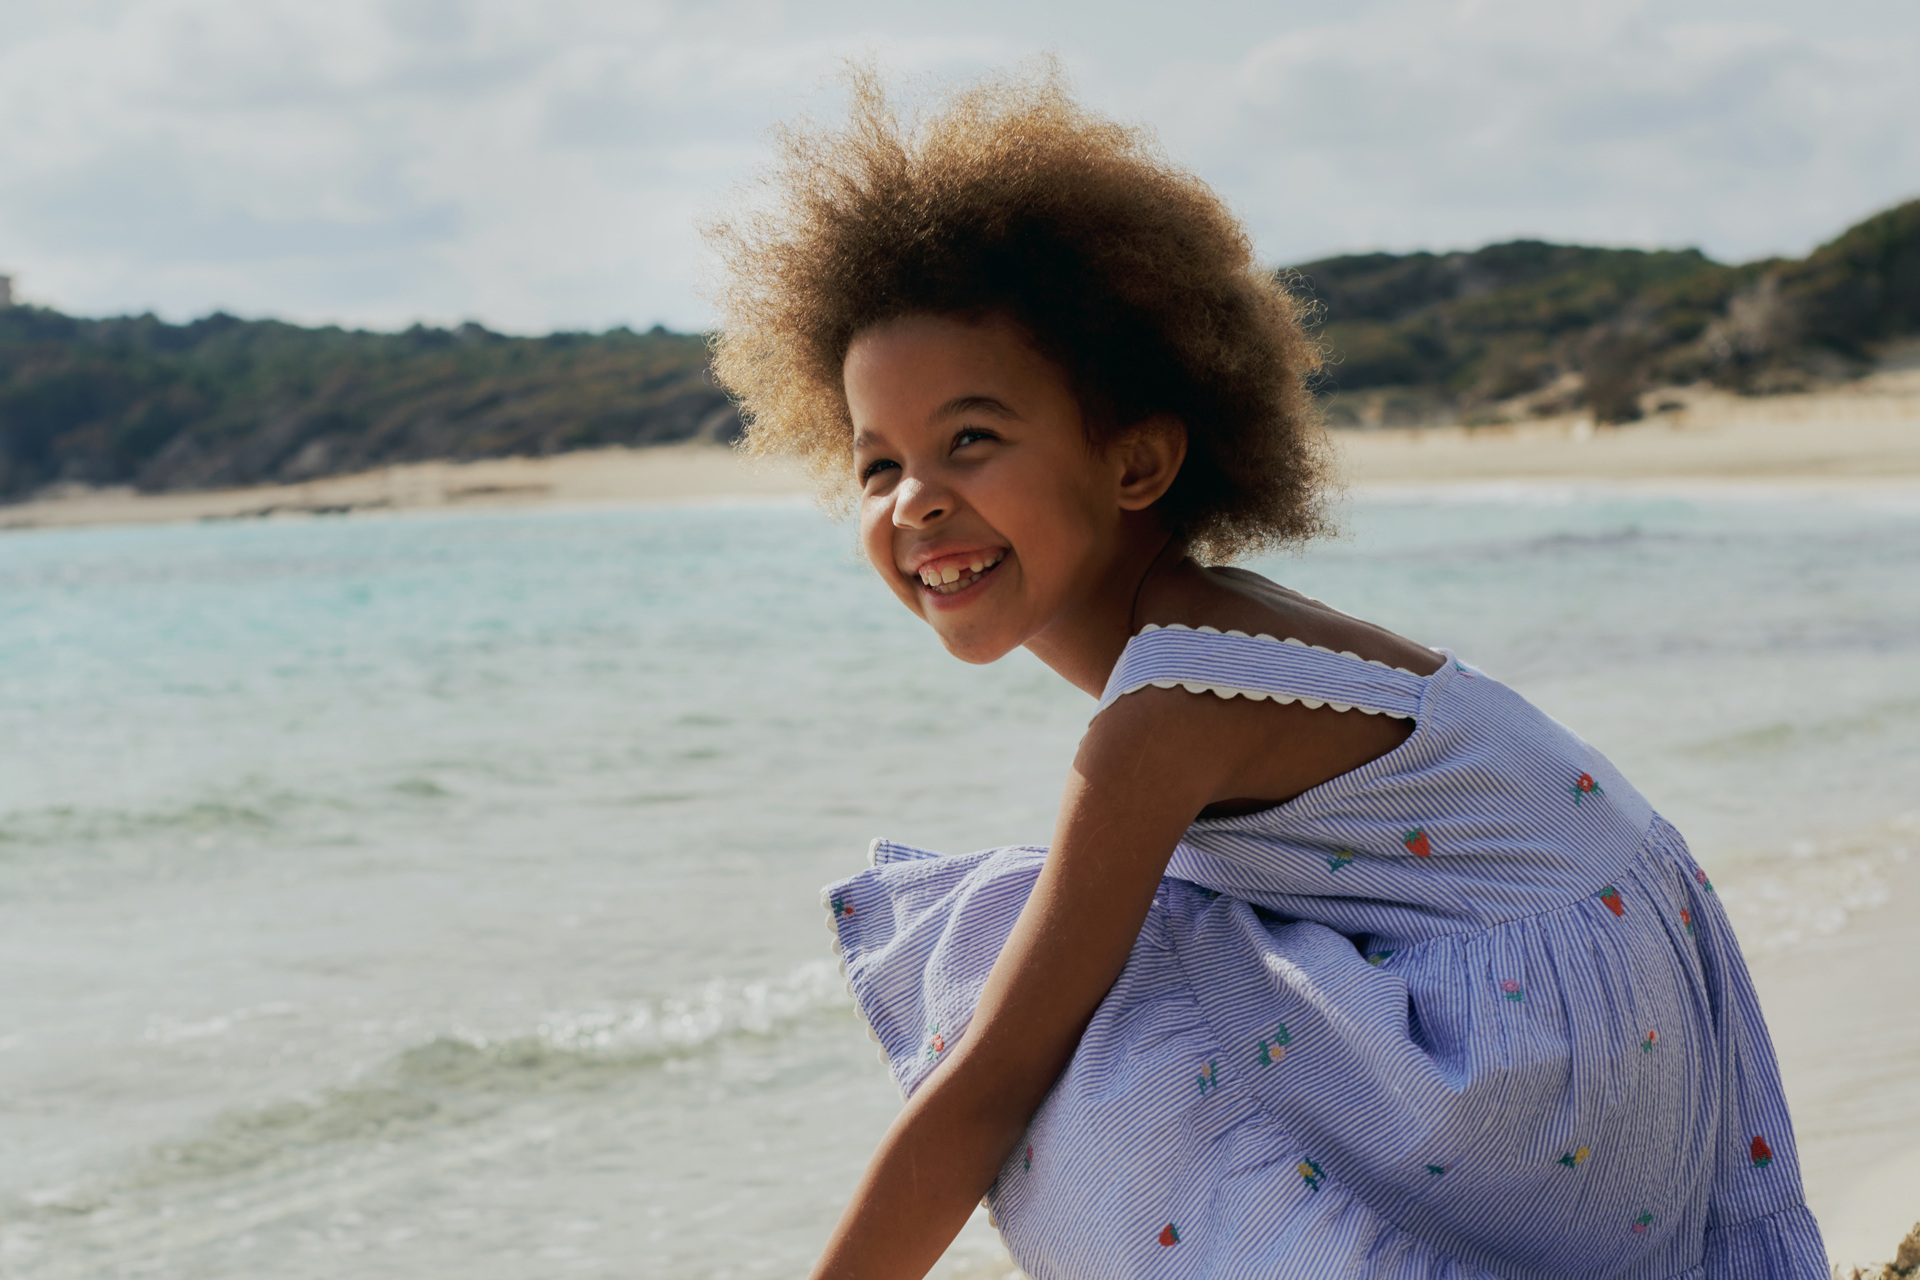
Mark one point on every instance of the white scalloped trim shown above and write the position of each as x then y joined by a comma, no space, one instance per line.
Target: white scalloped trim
1298,644
840,961
1260,695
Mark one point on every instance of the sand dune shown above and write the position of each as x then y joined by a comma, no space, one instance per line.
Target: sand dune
1865,433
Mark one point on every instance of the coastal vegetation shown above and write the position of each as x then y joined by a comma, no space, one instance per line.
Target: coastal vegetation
1512,330
223,401
1529,328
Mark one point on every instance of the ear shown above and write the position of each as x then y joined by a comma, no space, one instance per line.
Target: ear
1149,454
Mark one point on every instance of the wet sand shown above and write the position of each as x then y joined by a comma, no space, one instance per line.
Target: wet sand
1843,1012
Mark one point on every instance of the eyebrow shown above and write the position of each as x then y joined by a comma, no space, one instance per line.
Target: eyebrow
958,405
972,404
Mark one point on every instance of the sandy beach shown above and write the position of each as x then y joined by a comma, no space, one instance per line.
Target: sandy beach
1857,1112
1856,438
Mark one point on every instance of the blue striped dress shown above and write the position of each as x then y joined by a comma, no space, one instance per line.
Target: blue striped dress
1470,1010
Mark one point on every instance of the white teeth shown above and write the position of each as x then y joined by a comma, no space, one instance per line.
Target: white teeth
954,578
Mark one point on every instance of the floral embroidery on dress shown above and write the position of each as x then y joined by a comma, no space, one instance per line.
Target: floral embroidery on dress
1514,991
1611,896
1417,844
1026,1161
1311,1174
841,907
1169,1235
1701,876
1646,1045
1641,1223
1463,671
1686,918
1585,786
936,1042
1436,1169
1574,1159
1378,957
1339,859
1761,1152
1209,1078
1274,1047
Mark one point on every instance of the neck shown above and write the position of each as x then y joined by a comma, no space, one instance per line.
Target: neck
1085,641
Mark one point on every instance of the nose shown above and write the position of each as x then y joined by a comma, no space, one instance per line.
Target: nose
918,504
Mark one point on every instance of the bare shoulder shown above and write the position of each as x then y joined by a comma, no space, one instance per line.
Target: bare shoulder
1211,756
1230,599
1175,747
1234,754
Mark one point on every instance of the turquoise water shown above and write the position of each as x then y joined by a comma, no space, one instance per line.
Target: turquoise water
431,896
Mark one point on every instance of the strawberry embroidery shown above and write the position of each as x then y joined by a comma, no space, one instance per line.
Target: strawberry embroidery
1761,1152
1310,1173
1274,1047
1513,990
1169,1235
1611,896
841,907
1209,1078
1653,1038
1585,786
1416,842
1574,1159
1641,1223
1339,859
1686,918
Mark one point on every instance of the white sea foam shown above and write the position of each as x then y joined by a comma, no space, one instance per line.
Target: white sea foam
1813,887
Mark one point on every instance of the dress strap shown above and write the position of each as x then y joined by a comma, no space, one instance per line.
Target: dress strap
1234,664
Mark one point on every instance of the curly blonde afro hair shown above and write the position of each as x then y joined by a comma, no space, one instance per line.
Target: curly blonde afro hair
1006,198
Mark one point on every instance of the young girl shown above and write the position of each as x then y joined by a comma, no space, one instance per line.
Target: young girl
1344,960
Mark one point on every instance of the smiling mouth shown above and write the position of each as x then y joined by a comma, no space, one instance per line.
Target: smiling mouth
955,578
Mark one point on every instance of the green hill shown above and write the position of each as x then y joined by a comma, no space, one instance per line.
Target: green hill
223,401
1573,326
1410,337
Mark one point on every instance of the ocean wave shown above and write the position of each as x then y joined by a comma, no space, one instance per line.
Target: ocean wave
461,1075
1813,887
638,1034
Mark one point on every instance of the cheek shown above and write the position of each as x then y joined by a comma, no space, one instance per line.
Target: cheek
876,537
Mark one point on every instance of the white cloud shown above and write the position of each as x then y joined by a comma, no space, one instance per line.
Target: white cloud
536,166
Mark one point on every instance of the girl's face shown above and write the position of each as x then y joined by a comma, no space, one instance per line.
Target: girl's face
983,505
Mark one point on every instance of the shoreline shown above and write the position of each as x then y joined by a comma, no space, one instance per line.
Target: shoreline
1858,440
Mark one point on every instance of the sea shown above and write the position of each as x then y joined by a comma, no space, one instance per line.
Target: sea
436,895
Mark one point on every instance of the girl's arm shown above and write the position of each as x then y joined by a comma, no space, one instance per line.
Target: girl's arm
1148,766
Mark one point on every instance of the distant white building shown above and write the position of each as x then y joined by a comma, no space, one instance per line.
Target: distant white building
6,291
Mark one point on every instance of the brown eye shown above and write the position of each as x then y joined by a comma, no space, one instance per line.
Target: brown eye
875,467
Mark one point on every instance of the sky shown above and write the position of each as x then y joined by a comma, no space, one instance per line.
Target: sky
539,166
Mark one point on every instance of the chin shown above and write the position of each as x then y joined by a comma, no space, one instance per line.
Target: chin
975,649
